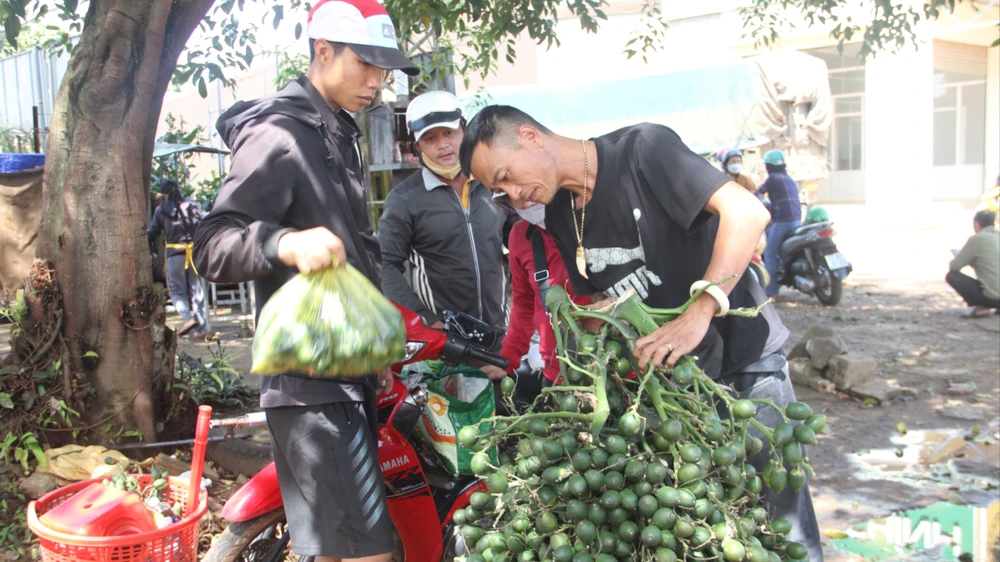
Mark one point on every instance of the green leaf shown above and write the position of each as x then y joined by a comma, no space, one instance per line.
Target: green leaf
183,76
12,28
91,354
6,401
19,8
202,88
21,456
279,13
298,32
214,73
6,371
249,55
39,456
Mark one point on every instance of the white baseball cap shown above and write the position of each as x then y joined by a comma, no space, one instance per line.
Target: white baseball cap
433,109
365,27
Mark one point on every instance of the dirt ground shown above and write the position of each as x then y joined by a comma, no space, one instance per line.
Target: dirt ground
896,309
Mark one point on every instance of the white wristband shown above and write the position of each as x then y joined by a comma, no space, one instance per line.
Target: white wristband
715,292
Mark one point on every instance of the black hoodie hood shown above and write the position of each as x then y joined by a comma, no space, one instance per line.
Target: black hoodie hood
299,100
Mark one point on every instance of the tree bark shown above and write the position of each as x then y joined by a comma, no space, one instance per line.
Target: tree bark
93,226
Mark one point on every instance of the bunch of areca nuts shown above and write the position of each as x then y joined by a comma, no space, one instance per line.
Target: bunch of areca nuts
617,464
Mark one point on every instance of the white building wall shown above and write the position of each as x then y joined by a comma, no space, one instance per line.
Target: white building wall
992,167
899,129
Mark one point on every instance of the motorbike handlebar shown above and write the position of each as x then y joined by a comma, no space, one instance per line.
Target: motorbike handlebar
480,354
457,350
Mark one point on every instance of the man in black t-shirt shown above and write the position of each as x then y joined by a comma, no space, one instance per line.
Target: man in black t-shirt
636,209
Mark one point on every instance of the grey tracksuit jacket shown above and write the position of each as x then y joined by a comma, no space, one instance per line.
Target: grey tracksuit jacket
455,255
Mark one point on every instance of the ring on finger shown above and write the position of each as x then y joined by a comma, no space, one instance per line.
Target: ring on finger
666,356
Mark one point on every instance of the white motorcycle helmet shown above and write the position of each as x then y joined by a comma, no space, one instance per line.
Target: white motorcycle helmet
433,109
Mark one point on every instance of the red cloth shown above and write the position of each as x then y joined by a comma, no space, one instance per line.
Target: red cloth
526,312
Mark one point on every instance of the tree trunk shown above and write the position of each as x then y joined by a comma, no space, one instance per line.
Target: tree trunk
93,226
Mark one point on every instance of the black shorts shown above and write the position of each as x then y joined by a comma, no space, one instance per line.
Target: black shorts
331,481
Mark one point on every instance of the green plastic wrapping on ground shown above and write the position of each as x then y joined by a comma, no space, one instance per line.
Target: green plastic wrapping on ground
331,323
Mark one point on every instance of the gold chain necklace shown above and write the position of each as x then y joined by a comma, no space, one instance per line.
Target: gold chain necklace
581,256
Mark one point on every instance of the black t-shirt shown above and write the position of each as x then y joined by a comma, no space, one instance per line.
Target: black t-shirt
646,228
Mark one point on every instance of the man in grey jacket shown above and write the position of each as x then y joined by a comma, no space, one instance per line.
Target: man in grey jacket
444,225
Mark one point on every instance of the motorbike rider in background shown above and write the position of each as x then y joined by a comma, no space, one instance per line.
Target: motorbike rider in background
786,213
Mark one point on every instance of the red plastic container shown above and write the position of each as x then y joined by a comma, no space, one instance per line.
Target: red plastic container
174,543
100,511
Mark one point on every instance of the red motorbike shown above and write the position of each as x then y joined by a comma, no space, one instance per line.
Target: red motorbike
421,494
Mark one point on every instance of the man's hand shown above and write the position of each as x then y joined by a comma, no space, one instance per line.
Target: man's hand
385,380
494,373
311,250
677,338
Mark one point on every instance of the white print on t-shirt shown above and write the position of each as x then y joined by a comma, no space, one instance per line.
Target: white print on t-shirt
598,259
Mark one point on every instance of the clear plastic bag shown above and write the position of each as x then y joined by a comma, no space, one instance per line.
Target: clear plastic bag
331,323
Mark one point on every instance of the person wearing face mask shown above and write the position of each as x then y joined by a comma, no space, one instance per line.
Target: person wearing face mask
732,162
535,265
443,225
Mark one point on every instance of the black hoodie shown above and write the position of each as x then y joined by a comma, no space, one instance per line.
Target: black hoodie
295,166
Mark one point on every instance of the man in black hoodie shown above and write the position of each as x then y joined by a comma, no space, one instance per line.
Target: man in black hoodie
293,201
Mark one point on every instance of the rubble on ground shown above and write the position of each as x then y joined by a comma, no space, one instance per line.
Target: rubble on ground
822,362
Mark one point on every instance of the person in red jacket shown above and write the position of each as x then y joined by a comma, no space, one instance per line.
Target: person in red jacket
527,313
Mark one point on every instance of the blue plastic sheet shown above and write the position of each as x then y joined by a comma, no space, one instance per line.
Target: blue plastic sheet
13,162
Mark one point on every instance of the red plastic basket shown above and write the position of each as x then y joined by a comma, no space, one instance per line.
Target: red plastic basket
173,543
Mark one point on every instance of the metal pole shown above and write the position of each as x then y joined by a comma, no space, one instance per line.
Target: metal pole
40,99
37,141
17,88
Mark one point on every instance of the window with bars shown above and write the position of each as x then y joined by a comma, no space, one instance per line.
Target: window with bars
847,87
959,104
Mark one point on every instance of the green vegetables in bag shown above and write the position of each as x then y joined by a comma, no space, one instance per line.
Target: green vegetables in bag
326,324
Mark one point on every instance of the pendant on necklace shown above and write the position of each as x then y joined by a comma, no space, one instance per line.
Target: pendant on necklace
581,262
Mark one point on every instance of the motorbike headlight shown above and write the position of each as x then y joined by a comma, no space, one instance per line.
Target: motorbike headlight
412,349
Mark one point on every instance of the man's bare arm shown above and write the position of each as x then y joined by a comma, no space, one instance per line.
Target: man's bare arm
742,220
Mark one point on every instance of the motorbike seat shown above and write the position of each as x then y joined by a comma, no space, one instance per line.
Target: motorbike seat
810,226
